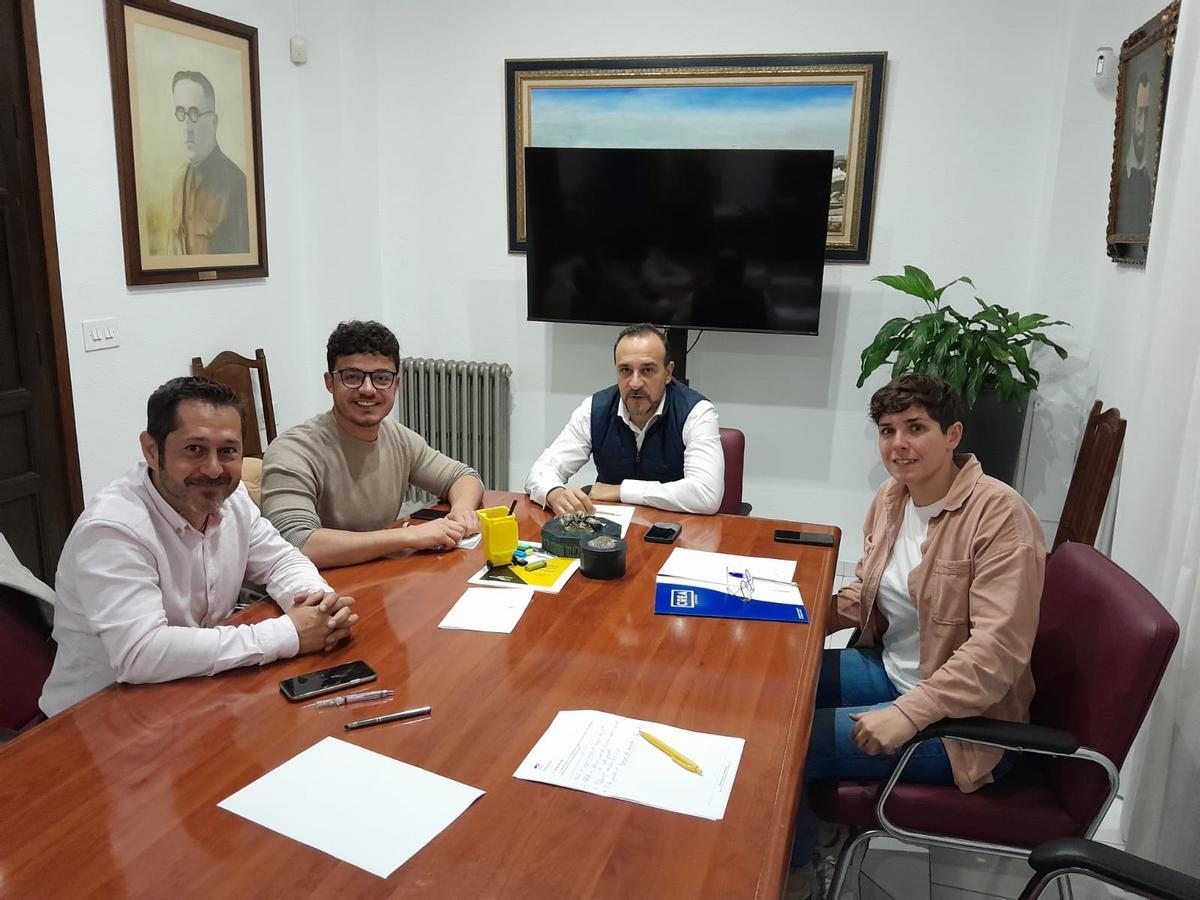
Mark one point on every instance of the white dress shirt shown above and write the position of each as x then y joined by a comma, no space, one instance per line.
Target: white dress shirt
699,491
141,594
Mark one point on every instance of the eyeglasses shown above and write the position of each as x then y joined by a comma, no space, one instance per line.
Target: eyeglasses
192,113
743,584
354,378
739,584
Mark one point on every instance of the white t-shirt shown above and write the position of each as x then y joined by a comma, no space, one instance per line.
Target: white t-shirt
901,642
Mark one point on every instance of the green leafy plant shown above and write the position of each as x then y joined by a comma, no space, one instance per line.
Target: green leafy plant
988,351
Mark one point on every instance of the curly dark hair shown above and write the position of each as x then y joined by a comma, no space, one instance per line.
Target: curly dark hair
942,402
645,328
162,409
361,337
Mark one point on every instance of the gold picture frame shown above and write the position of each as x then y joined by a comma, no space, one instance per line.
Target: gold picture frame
790,101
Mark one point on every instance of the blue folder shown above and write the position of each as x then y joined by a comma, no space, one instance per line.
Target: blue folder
677,598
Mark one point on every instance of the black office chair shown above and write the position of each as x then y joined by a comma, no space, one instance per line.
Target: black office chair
1076,856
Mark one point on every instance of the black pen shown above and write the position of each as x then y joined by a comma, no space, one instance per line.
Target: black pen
511,507
391,717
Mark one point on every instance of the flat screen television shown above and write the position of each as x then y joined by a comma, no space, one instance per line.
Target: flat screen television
732,240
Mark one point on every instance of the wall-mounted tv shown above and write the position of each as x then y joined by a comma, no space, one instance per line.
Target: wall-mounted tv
709,239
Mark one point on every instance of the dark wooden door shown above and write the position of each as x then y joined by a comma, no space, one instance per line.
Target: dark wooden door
39,466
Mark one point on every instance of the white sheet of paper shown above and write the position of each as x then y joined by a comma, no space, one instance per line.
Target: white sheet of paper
470,543
604,754
714,568
487,609
622,515
359,806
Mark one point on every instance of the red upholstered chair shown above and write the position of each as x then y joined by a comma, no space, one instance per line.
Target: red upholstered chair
1101,648
733,445
26,654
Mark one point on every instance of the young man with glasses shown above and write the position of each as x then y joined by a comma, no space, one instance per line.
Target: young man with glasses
210,212
334,484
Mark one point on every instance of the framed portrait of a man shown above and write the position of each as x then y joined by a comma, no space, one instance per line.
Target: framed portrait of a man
1142,81
189,143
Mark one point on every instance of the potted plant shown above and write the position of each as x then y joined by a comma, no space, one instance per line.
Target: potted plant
985,356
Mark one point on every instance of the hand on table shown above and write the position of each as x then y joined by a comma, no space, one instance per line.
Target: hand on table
467,518
322,620
606,493
563,500
881,730
440,534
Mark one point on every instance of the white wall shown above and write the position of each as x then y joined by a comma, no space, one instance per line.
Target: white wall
972,91
323,257
385,191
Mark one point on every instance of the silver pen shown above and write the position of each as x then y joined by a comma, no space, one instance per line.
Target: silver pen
390,717
359,697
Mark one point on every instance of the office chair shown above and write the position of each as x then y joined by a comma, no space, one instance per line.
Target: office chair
1090,481
1102,645
1075,856
733,446
233,370
26,655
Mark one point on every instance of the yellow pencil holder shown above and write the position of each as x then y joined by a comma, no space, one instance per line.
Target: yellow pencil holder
499,529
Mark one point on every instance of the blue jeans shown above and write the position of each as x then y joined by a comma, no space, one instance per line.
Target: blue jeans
854,681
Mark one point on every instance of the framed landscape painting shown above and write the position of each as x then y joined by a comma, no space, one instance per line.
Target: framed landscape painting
189,143
1142,81
794,101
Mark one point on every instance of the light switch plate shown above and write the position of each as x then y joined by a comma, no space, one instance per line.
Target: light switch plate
100,334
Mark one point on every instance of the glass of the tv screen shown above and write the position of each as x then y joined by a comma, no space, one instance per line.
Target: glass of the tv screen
707,239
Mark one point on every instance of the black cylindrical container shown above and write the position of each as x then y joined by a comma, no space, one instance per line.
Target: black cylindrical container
603,557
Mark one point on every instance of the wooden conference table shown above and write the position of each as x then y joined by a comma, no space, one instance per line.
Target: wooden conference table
118,795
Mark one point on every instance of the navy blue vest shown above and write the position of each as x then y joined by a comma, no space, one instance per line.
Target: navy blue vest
614,449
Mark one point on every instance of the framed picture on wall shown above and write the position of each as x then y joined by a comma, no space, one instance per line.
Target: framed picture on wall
189,143
802,101
1142,80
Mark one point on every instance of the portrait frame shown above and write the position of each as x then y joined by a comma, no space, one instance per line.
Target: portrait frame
192,202
1143,77
810,94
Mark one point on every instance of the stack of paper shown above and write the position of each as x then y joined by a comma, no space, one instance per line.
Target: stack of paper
376,814
605,754
548,579
622,515
481,609
699,583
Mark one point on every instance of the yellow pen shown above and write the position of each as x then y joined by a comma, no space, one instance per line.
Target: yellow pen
678,758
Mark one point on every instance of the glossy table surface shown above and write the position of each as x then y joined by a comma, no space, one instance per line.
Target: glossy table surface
118,795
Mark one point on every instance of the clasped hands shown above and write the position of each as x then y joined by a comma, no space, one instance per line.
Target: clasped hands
322,620
881,730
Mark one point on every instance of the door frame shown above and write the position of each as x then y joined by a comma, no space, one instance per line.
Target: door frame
65,418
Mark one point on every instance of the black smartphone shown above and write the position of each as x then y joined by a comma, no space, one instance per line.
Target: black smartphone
803,537
663,532
428,515
325,680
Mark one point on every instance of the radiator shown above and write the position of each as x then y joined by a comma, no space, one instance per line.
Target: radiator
461,409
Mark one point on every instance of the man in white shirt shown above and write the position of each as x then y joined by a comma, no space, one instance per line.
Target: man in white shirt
154,565
654,440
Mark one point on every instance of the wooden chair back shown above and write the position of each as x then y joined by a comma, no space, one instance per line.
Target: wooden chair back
1092,478
233,370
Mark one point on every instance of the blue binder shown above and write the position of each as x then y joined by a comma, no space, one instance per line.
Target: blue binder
674,597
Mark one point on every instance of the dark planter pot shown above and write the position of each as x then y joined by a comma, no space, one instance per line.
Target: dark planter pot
994,431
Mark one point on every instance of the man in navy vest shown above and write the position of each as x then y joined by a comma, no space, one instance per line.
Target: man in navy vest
654,440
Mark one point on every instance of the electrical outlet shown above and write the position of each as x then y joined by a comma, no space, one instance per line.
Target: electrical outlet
100,334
